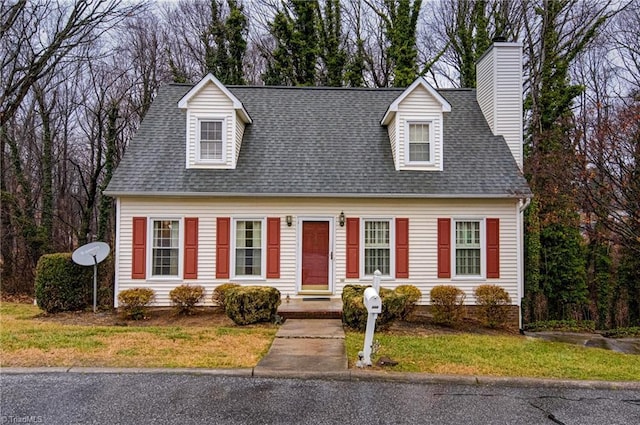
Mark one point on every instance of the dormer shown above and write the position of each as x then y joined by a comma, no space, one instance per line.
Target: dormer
415,125
216,120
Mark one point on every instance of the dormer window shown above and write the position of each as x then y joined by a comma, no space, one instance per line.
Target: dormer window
215,123
415,123
211,143
419,143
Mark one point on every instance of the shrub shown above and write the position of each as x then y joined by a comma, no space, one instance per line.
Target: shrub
185,297
134,302
447,304
62,285
251,304
219,293
631,332
561,325
413,296
493,305
354,313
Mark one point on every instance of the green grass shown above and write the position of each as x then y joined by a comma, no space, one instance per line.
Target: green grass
469,354
26,341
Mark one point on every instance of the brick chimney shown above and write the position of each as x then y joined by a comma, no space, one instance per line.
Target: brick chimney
499,92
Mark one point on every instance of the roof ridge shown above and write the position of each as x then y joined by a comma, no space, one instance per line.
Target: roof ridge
316,88
255,86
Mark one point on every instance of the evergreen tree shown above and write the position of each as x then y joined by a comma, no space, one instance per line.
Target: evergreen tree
470,26
354,72
225,44
236,28
550,164
332,52
400,18
294,59
535,303
280,70
178,75
600,280
106,203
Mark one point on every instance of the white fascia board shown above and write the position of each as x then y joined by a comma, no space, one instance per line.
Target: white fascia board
420,81
114,194
210,78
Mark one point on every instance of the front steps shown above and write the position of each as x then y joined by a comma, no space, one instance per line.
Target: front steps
310,307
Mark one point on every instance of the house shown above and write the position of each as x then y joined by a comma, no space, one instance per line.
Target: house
309,189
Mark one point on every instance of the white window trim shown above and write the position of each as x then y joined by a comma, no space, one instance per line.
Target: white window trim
392,247
150,221
407,159
199,122
263,247
483,250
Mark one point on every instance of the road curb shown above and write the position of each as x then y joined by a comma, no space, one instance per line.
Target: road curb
246,372
348,375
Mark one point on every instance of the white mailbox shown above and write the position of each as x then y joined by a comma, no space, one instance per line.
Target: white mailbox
372,301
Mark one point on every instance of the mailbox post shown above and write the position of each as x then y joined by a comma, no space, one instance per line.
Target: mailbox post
373,303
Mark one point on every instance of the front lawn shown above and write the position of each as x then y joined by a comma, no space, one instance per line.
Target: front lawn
498,355
27,340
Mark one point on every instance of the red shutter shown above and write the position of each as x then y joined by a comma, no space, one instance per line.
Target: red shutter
191,248
402,247
493,247
273,247
353,247
223,232
139,260
444,247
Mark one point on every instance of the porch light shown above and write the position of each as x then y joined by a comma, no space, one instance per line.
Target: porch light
289,220
341,219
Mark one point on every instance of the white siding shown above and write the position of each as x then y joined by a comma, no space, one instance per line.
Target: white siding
211,102
238,141
499,93
391,128
422,214
419,105
485,92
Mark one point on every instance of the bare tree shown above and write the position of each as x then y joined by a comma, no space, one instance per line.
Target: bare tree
37,40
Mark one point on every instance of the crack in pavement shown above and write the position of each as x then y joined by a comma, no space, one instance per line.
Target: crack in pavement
548,414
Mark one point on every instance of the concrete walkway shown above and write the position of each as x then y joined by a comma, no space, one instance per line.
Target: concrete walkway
306,345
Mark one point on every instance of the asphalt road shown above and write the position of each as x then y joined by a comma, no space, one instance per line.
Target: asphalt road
157,398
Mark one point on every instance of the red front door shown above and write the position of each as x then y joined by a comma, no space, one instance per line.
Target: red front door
315,255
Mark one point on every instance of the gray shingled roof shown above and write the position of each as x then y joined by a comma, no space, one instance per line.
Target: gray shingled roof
318,142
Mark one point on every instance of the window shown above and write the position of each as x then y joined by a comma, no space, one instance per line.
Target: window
211,140
467,248
419,142
248,248
165,248
377,247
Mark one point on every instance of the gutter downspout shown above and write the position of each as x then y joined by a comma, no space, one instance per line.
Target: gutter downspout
522,205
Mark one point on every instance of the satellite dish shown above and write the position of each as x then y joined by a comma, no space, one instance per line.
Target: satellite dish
90,255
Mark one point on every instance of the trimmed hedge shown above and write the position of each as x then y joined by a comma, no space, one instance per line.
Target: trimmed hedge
447,304
220,293
62,285
413,296
134,302
493,305
354,313
185,297
251,304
